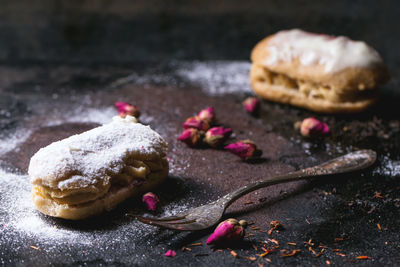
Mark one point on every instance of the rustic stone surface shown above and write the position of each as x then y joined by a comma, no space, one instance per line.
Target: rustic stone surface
47,95
337,207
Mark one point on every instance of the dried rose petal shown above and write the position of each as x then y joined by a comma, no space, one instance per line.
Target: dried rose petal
127,109
228,230
311,127
217,135
207,115
251,104
197,123
363,257
170,253
151,201
291,253
276,225
245,149
191,137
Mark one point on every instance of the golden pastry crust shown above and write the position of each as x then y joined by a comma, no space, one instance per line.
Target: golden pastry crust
86,174
339,87
288,95
116,195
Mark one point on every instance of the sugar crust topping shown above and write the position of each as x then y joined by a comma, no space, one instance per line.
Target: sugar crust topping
334,53
94,154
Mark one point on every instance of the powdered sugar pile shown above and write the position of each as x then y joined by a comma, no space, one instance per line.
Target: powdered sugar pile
95,152
26,234
20,214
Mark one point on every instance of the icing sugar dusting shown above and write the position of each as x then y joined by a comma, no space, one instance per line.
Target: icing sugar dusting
97,152
218,77
20,220
12,141
24,228
76,181
100,116
21,214
213,77
335,53
388,167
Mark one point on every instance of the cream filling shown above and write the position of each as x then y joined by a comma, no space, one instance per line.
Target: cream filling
310,89
135,170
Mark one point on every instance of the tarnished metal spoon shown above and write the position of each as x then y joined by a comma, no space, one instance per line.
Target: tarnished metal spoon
210,214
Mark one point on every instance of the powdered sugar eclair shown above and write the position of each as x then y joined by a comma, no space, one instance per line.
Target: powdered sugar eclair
91,172
317,72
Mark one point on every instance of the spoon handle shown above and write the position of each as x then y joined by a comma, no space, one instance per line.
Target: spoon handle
353,161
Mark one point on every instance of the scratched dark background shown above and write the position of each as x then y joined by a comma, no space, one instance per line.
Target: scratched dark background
81,48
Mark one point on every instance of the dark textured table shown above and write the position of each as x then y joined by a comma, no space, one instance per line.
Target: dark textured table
64,64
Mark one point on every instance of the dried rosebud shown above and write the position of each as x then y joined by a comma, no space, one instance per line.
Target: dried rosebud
245,149
217,135
197,123
207,115
151,201
170,253
251,104
228,230
311,127
191,137
127,109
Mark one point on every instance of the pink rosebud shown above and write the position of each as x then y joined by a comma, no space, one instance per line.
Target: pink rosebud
228,230
311,127
207,115
190,136
170,253
197,123
245,149
151,201
251,104
217,135
127,109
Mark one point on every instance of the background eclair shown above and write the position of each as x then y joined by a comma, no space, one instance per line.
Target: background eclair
317,72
